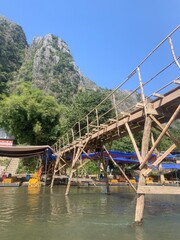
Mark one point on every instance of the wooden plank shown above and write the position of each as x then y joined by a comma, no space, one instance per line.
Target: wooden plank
158,95
177,81
158,190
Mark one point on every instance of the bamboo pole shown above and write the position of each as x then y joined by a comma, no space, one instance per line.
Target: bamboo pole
87,120
75,158
120,169
133,142
105,170
142,90
162,179
176,141
160,137
159,160
72,132
79,126
97,117
54,172
173,53
144,149
116,112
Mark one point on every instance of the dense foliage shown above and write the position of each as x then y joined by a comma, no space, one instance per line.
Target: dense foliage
30,115
12,47
84,103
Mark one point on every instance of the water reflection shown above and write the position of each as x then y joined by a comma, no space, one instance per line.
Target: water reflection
87,213
139,232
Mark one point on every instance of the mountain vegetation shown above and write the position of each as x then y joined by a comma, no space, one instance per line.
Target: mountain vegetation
12,47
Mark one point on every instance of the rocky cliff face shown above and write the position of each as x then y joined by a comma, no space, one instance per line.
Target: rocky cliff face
50,66
47,63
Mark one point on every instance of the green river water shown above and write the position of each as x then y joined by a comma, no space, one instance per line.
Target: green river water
86,214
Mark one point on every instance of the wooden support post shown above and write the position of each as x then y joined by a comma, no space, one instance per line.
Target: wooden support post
116,112
142,91
72,132
105,170
69,182
75,158
97,117
114,105
87,121
145,145
79,126
133,142
54,172
120,169
162,179
173,53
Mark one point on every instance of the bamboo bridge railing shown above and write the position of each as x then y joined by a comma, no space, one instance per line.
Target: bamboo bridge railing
155,83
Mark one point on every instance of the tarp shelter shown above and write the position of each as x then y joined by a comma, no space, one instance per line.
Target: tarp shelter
119,157
131,158
23,151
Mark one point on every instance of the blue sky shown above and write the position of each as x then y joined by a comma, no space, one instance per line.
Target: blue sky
107,38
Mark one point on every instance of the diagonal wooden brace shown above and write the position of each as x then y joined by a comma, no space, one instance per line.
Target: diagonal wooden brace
176,141
119,169
159,160
133,142
160,137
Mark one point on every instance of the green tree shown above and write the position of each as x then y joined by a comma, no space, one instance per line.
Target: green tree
30,116
84,103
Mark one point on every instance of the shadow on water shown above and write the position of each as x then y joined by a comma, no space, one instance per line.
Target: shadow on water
87,213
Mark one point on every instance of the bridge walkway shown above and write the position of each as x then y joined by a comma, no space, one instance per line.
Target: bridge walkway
154,102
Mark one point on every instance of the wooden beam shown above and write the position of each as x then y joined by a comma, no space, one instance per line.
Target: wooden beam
158,95
102,160
173,53
123,173
177,82
160,137
144,149
139,105
176,141
54,172
125,114
60,168
84,163
158,190
77,155
133,142
159,160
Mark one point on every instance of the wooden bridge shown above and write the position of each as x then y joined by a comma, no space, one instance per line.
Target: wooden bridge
156,85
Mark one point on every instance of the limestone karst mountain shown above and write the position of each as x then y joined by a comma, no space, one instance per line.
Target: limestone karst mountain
47,63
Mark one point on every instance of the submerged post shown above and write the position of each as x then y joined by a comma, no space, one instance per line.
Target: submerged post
105,170
144,150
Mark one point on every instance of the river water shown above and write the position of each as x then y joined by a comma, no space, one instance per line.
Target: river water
86,214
